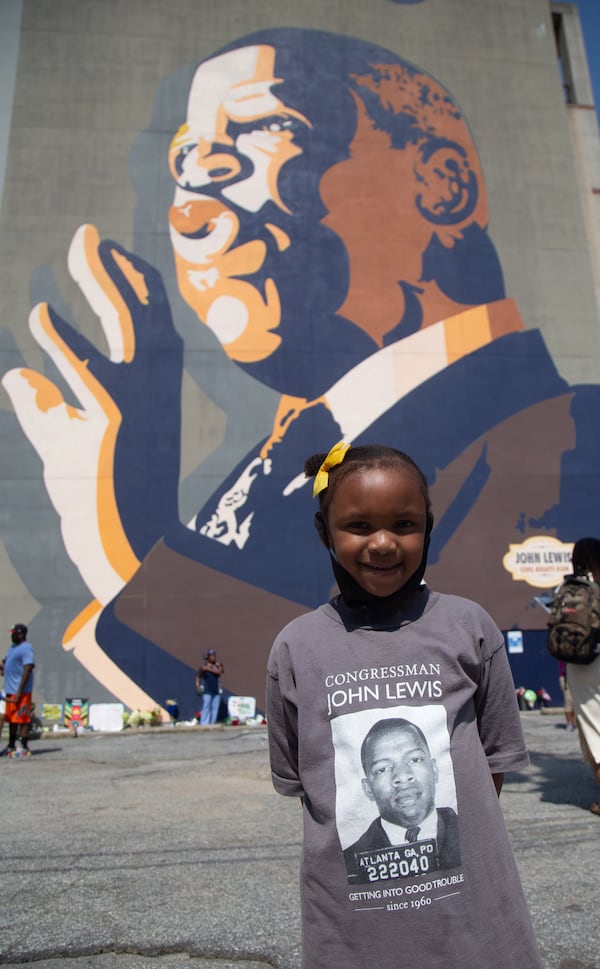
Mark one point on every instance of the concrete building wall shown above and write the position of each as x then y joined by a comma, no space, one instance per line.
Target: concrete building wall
583,126
101,88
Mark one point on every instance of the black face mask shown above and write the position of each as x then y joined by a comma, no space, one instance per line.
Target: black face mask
378,607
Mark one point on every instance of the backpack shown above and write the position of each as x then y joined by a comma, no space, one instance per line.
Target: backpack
574,623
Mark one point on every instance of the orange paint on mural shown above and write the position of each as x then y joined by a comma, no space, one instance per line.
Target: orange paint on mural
134,277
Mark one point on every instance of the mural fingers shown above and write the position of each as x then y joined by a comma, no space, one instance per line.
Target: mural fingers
65,437
39,405
73,366
80,639
102,293
82,439
125,292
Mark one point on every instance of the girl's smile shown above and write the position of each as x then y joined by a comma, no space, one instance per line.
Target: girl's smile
376,525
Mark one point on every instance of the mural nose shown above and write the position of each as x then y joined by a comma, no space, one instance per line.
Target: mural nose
219,164
198,163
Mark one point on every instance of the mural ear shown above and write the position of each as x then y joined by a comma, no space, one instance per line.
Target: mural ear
322,529
447,186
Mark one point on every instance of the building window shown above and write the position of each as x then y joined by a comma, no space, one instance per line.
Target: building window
562,51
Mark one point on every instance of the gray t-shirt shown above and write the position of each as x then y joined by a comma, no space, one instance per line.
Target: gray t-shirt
406,860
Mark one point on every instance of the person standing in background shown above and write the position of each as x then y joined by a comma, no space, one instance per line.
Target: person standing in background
207,678
584,680
2,705
18,685
571,719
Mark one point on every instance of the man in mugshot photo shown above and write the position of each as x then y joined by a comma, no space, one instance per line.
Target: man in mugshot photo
400,777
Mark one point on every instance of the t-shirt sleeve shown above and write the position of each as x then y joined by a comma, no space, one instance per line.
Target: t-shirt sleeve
282,722
498,717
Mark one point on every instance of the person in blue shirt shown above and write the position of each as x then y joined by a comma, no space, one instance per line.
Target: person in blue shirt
18,685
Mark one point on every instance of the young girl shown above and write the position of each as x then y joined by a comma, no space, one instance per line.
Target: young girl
392,715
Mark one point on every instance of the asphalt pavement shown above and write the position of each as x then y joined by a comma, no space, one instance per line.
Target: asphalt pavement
168,849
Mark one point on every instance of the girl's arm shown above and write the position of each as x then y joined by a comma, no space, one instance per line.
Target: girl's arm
282,719
498,716
498,780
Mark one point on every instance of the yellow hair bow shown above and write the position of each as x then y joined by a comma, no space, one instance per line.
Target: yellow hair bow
335,456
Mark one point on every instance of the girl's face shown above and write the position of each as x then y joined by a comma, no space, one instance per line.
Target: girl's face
376,524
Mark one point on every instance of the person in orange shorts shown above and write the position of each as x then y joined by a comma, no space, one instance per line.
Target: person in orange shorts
2,704
18,685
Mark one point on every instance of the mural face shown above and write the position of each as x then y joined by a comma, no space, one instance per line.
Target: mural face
328,223
227,161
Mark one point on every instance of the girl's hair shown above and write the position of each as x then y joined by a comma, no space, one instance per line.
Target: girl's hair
586,557
363,458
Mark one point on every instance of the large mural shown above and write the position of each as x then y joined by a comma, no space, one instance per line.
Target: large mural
326,219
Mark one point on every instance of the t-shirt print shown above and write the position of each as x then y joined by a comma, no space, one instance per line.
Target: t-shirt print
396,810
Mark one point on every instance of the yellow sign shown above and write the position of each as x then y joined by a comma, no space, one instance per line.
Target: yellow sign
540,561
52,712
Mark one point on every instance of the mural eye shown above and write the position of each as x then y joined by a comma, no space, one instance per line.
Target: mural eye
275,124
180,157
280,124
